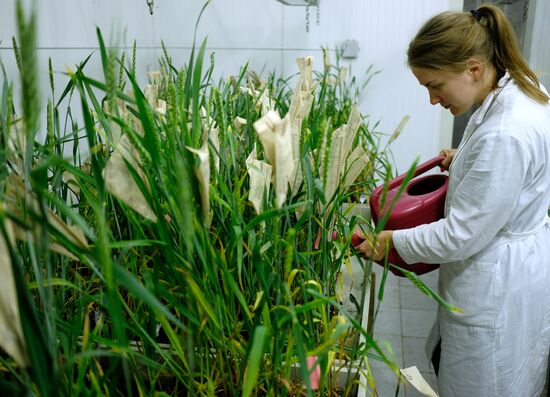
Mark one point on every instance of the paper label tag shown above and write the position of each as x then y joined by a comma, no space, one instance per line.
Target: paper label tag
412,374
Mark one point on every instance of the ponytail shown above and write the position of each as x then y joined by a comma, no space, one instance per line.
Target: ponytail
506,53
450,39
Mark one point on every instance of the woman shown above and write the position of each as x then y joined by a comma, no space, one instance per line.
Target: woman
494,242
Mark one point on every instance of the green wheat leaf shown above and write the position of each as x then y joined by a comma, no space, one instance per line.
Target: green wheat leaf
254,360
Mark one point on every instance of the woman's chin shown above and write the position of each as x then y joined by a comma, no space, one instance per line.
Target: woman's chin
456,111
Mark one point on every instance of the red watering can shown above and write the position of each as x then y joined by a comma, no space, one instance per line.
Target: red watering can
422,201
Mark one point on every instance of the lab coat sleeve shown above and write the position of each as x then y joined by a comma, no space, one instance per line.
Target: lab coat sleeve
480,206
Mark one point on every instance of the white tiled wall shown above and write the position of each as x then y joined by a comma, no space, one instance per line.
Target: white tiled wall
264,32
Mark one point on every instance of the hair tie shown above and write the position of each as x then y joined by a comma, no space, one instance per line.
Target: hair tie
475,13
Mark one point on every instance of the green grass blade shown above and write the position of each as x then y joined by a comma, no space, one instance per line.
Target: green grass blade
427,291
255,356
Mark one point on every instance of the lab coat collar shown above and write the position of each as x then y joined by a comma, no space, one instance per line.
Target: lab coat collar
479,115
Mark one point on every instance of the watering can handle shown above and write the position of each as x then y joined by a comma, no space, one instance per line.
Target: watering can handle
428,165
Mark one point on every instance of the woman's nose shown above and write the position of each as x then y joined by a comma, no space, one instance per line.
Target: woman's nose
434,98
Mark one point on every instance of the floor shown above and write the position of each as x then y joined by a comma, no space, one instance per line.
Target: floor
402,324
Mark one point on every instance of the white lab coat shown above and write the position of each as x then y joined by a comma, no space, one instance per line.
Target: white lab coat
494,250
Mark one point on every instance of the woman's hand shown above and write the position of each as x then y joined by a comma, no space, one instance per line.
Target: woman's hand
376,249
449,155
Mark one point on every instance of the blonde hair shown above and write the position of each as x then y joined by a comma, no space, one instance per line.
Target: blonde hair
450,39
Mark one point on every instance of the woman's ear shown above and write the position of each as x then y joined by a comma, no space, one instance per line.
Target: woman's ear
475,68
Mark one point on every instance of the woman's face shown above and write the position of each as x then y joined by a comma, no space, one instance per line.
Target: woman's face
455,91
